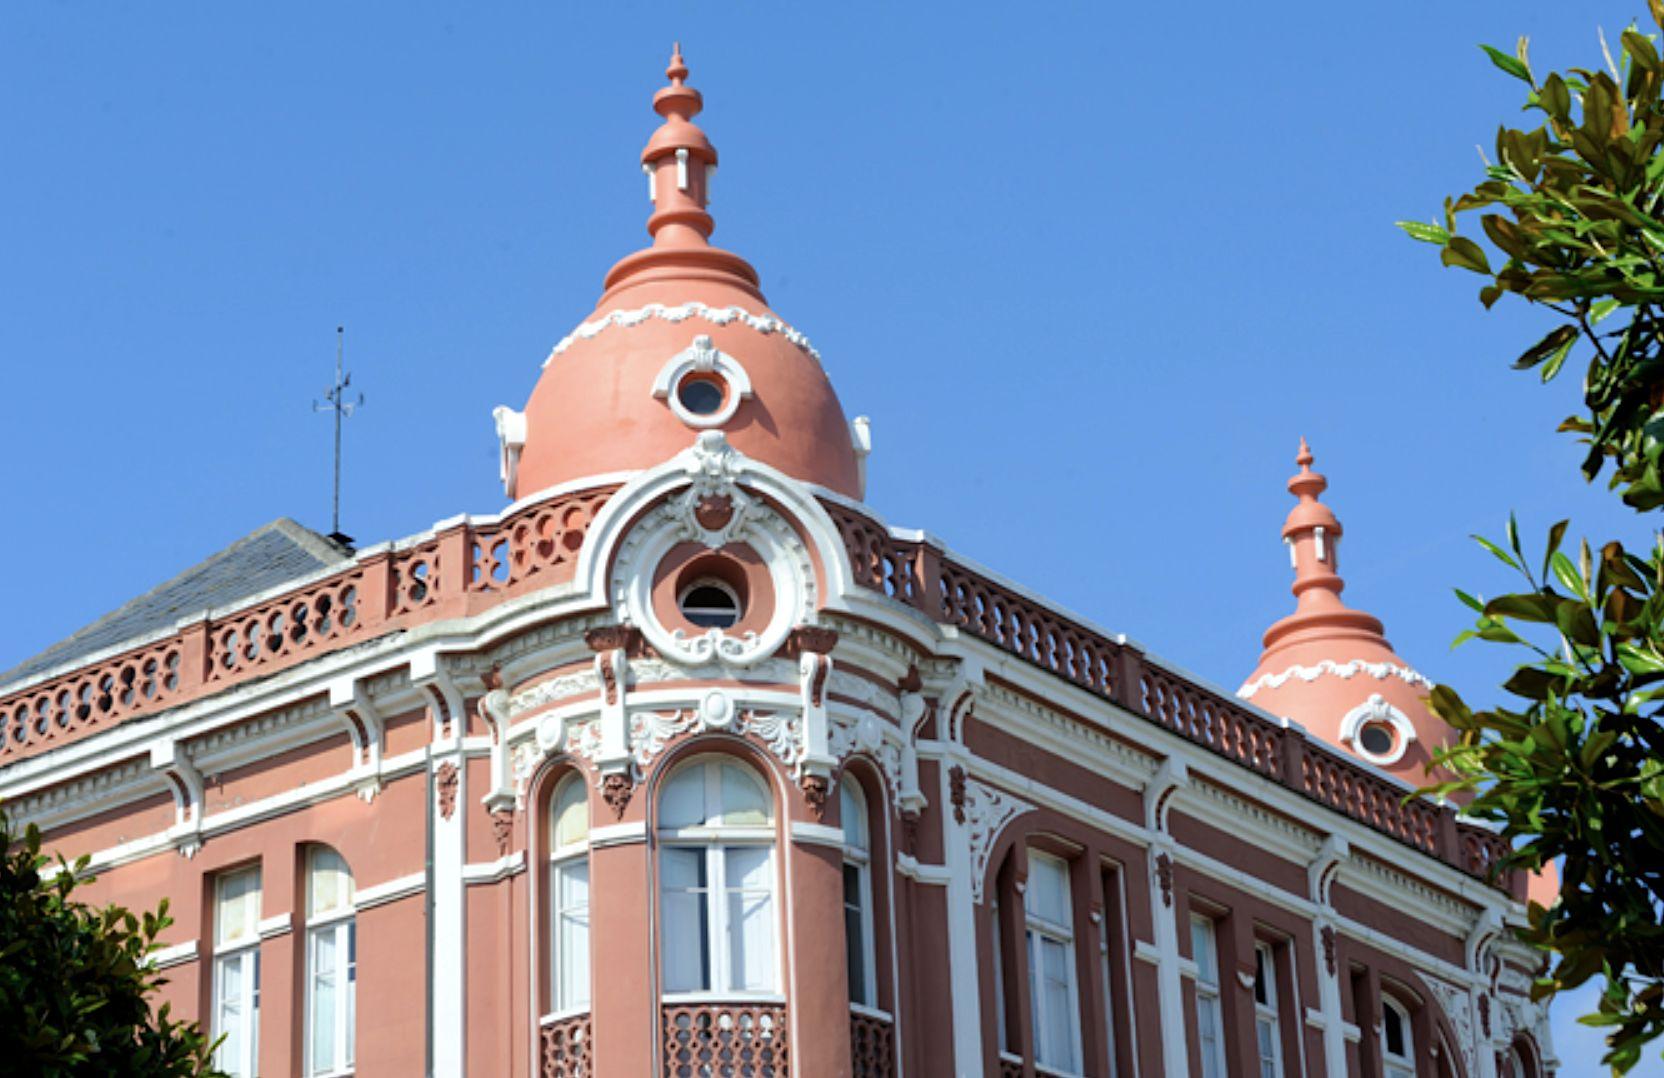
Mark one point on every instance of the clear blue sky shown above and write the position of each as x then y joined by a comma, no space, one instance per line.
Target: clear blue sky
1091,269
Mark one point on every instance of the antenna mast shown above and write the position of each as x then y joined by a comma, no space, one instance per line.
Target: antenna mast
336,401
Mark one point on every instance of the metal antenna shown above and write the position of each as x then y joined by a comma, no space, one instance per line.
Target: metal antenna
336,401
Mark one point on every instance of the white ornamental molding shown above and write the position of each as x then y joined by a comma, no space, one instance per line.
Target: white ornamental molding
1457,1004
1347,670
712,466
702,357
1377,709
716,316
651,731
869,735
984,811
548,692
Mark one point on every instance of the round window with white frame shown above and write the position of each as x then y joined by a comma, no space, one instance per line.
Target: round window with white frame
1377,731
710,603
702,385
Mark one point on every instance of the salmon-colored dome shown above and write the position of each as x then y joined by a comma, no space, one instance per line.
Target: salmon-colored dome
682,341
1329,667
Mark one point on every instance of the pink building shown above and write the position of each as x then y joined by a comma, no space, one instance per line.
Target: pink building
685,763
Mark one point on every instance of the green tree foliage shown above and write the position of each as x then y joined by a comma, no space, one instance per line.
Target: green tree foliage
1574,770
74,982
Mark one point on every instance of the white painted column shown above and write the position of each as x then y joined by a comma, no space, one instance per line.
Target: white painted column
448,1030
964,978
1175,1052
1319,875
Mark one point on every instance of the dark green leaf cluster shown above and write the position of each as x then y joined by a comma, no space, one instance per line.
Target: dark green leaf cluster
1574,207
74,981
1572,772
1575,772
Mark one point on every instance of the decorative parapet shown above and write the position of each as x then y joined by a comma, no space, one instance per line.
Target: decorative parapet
464,569
567,1047
872,1044
919,575
726,1038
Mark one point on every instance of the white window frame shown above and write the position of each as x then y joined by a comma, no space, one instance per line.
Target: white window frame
241,952
1037,931
715,841
563,859
1266,1017
858,856
1397,1064
1204,938
342,924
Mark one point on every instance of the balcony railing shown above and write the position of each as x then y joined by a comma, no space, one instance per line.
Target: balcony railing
567,1047
872,1043
461,570
919,575
728,1040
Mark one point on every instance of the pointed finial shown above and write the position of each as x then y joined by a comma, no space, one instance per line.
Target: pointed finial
678,70
1304,458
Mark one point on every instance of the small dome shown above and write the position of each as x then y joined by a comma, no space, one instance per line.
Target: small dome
681,341
1329,667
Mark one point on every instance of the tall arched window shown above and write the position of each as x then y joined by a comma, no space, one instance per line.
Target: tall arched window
331,963
1398,1049
858,941
569,895
717,880
1053,1000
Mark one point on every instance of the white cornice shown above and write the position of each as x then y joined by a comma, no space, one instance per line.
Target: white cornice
1380,671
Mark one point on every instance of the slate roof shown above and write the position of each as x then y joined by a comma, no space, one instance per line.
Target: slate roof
265,558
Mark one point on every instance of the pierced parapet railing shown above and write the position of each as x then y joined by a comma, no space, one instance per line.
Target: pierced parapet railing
920,576
735,1040
1010,1066
462,570
872,1044
566,1048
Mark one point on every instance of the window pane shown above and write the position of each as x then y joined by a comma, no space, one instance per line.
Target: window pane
750,918
1207,1025
1395,1030
325,983
1047,895
855,935
683,802
239,906
744,798
572,934
853,811
330,886
1202,950
1057,1043
685,918
352,989
571,812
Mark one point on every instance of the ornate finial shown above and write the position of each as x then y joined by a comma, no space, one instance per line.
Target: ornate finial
679,161
1304,458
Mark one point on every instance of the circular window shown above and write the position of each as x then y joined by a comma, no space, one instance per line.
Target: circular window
1377,738
710,604
701,395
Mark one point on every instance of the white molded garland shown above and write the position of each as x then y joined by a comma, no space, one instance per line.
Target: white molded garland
1378,671
717,316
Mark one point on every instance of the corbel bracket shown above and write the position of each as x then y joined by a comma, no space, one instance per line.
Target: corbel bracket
1170,777
185,782
350,700
429,674
1320,874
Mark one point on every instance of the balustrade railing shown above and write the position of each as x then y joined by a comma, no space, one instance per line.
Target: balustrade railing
918,575
461,570
872,1043
567,1047
742,1040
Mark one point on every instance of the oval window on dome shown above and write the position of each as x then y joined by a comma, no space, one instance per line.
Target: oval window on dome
701,395
710,604
1377,738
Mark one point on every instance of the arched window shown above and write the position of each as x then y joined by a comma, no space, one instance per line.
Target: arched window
569,895
1268,1034
858,942
237,970
331,963
1398,1049
1210,1015
717,880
